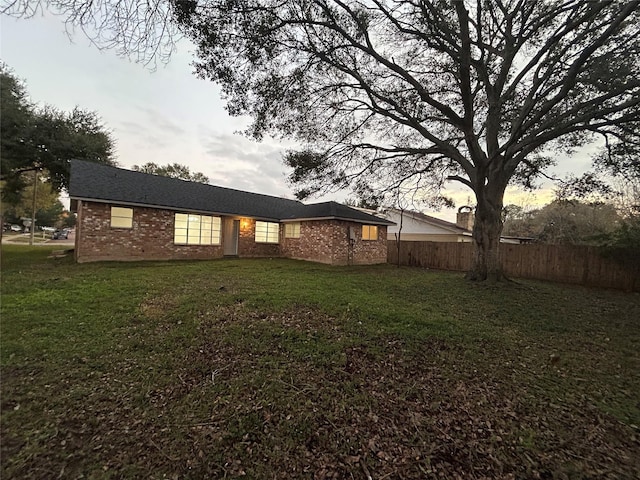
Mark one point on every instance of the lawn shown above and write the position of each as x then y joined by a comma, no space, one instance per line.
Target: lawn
282,369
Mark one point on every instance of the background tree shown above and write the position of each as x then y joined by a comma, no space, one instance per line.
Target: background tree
48,207
15,124
44,139
625,195
411,94
623,244
63,136
567,222
173,170
517,221
50,217
68,219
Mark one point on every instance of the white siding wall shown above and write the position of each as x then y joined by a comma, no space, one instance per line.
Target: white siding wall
410,225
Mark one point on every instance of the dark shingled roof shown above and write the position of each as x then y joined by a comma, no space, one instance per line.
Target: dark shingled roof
336,210
94,181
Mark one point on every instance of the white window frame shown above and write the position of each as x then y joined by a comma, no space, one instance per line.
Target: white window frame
367,231
196,229
292,230
267,232
121,217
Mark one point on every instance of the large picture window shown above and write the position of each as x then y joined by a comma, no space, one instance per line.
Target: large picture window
369,232
121,217
267,232
190,229
292,230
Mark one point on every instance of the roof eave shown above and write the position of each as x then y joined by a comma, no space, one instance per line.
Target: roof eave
357,220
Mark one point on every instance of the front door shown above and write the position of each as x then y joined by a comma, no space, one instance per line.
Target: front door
230,236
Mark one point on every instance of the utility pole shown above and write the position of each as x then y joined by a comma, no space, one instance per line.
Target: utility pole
33,209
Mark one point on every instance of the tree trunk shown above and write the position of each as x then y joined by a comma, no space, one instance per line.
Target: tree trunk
486,264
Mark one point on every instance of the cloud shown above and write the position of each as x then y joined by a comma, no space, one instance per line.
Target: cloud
160,121
234,161
131,126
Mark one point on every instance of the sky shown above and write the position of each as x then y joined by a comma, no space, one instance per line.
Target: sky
162,116
168,115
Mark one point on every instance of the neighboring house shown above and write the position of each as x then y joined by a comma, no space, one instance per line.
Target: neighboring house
127,215
418,227
516,240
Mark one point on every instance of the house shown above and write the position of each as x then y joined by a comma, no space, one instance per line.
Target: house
418,227
127,215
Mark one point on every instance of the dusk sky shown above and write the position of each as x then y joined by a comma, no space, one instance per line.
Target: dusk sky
166,115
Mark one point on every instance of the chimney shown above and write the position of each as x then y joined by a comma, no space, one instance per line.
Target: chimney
465,218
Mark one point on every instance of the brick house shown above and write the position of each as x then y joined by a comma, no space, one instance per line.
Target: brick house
127,215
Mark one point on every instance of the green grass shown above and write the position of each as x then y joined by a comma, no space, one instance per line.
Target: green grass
266,368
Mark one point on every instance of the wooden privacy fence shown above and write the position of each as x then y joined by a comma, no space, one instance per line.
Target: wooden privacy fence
559,263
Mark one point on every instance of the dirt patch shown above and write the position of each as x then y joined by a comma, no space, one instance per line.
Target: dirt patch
156,307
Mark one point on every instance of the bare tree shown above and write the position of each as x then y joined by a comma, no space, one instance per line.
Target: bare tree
144,31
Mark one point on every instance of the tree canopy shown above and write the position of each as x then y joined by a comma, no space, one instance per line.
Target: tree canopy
173,170
44,138
395,95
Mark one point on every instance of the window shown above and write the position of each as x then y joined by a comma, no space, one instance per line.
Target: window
121,217
292,230
369,232
192,229
267,232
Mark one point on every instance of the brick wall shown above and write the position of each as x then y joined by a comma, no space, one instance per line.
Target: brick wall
327,241
247,246
151,237
370,252
315,242
360,252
